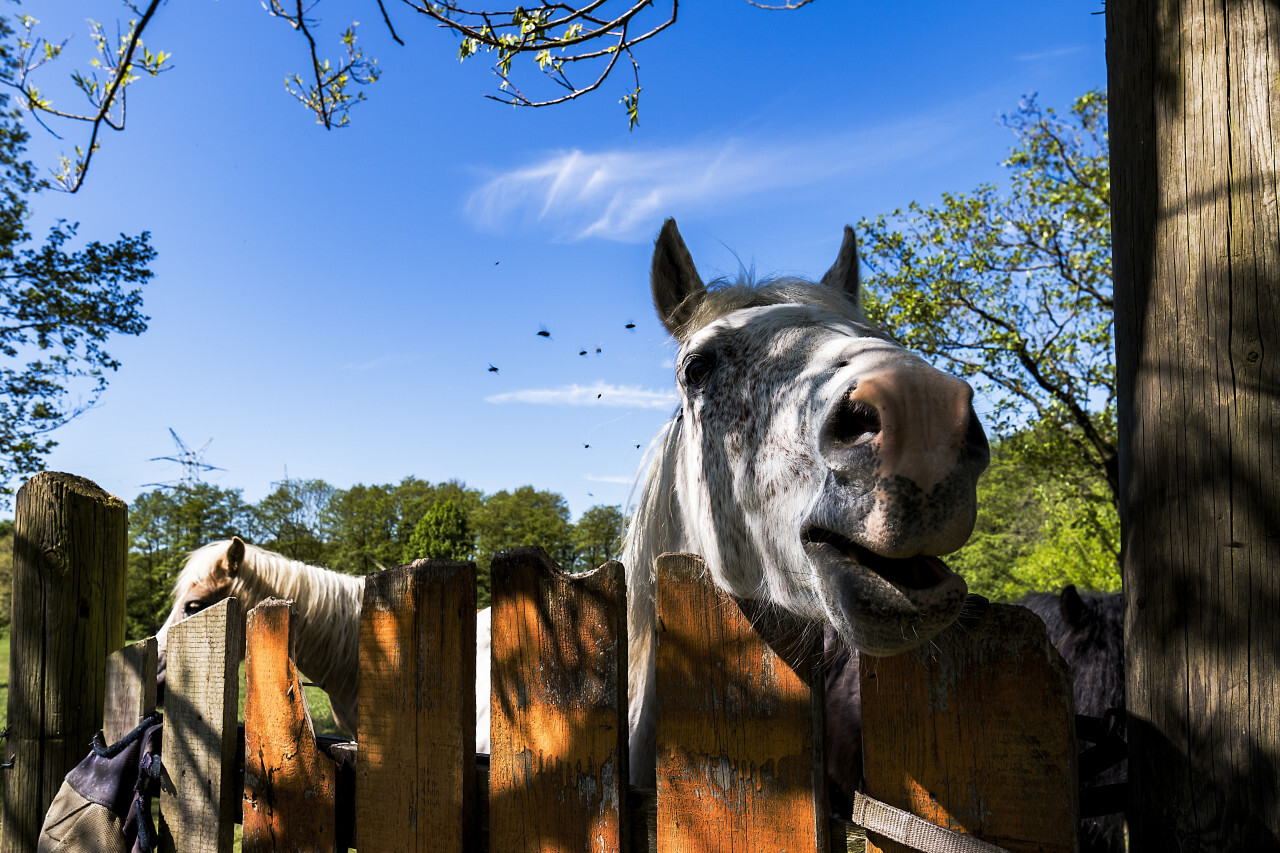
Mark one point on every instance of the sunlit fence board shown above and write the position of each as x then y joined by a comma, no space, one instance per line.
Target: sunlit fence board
558,772
737,766
289,785
415,777
975,732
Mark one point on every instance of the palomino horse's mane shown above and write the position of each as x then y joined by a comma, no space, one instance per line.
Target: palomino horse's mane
322,593
328,607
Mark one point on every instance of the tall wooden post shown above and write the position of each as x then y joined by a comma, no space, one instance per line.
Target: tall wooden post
1195,149
69,545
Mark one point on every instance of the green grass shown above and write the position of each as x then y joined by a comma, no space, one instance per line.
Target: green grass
4,694
317,704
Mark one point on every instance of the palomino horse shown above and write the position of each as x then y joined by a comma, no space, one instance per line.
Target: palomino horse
328,603
816,465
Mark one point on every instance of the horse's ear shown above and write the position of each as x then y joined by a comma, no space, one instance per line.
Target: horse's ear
677,290
844,272
1071,605
235,555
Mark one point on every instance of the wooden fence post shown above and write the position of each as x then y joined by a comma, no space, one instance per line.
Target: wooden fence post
975,732
198,795
70,540
289,785
131,688
415,766
739,743
558,772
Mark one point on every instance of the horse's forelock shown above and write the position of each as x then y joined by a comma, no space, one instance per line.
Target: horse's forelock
724,297
200,565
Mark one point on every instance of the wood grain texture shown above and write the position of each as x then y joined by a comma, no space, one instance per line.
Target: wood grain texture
1195,135
199,796
290,787
975,732
131,688
67,614
739,732
559,707
415,788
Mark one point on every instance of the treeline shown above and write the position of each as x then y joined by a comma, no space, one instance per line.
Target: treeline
1039,528
357,530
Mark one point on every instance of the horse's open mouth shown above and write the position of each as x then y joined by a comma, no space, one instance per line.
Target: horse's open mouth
919,572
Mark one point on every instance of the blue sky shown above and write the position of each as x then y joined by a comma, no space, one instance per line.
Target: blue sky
330,302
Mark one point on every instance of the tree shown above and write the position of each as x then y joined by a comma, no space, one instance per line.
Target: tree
1013,291
1034,534
597,537
165,525
288,519
548,42
359,527
526,516
367,527
58,306
443,533
6,573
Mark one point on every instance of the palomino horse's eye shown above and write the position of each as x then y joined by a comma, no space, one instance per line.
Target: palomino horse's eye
193,607
698,367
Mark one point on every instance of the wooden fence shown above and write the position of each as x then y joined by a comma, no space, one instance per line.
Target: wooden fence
974,733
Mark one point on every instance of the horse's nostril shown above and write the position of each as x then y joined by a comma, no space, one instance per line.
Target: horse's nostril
852,422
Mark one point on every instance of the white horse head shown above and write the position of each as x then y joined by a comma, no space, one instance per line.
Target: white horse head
328,610
815,464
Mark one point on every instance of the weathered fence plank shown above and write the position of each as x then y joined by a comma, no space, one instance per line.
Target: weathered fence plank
70,539
558,771
739,734
198,795
131,688
975,732
289,785
415,787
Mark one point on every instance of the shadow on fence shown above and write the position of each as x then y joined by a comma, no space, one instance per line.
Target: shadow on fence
973,732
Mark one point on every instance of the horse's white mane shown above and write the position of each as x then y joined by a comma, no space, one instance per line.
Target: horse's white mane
656,525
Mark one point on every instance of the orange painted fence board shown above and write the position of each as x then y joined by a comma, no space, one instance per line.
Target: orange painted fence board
415,769
289,785
558,771
739,733
975,732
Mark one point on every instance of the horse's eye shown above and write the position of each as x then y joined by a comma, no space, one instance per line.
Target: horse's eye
698,367
193,607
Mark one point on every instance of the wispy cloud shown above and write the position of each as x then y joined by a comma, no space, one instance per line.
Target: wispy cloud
618,194
1049,54
598,394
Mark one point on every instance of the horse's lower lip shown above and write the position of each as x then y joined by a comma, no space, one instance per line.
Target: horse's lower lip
918,572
